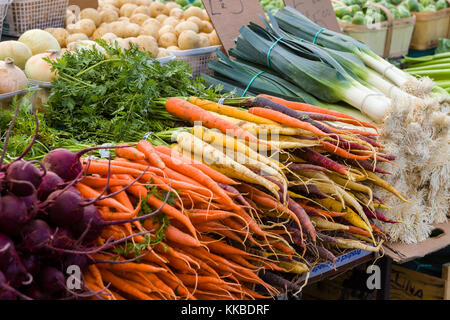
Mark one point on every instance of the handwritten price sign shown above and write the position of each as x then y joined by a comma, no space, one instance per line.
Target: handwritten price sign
319,11
228,16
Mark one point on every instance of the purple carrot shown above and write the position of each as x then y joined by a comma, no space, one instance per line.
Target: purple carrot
238,197
375,197
305,166
389,157
299,115
315,157
296,236
326,254
373,142
297,210
278,281
310,190
367,165
325,238
377,215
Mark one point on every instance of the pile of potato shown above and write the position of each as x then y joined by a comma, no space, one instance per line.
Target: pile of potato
154,26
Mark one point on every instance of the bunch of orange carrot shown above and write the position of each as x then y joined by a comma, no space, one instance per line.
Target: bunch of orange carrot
187,257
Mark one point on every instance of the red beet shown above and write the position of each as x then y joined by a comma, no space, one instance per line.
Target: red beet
23,178
66,164
50,183
64,208
10,263
52,280
36,235
13,216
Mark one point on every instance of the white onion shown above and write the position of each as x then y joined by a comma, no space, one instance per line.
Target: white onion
39,41
15,50
40,70
11,77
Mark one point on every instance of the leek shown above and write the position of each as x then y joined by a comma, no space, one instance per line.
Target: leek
293,22
310,68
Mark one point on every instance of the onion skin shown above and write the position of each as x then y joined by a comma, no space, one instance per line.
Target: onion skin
40,70
15,50
11,77
39,41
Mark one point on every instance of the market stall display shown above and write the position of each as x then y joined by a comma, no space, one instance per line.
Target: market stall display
300,155
384,27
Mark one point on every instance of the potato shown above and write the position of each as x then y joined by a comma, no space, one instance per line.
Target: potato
122,43
188,39
142,9
139,18
157,8
132,30
206,27
148,44
193,11
150,30
121,3
109,37
173,48
163,53
172,21
186,25
90,13
60,34
124,19
76,37
168,39
114,3
214,39
127,10
204,41
154,22
171,5
101,31
177,13
108,7
118,28
165,29
161,18
86,26
197,21
109,15
144,2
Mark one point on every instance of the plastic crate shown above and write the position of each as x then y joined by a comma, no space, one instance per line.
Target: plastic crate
3,10
25,15
198,59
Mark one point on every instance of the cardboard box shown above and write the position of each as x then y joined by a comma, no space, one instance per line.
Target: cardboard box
401,252
84,3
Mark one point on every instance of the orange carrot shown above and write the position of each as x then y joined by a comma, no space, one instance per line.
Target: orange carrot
90,193
215,175
310,108
130,153
97,182
180,237
124,285
150,153
286,120
341,152
189,112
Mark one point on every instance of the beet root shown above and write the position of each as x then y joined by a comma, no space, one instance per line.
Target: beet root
23,178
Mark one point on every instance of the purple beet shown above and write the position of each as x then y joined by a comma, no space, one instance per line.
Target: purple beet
66,164
50,183
36,293
91,224
64,208
10,263
13,216
23,178
63,238
32,263
52,280
36,235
